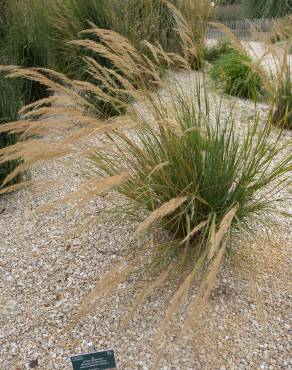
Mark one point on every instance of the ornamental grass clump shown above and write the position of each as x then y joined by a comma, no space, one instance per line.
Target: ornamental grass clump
282,30
234,75
189,169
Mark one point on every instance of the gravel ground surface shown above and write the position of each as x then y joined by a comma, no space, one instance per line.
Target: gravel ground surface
44,279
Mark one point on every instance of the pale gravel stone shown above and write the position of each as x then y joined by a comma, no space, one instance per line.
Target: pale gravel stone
44,279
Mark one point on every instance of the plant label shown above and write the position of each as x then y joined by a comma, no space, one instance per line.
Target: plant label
94,361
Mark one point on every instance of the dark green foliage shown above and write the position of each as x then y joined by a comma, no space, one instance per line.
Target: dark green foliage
26,42
149,20
69,18
3,18
10,103
235,77
214,52
267,8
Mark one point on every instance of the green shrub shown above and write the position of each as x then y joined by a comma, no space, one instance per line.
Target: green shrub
10,103
214,52
236,77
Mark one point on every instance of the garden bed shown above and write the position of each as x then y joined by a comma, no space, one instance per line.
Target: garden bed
45,277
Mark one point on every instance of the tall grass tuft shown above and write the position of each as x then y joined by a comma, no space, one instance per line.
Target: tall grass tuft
282,101
10,104
26,41
233,73
158,21
69,17
282,30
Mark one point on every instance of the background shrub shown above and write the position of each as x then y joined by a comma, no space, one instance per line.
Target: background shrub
227,12
282,30
214,52
235,77
266,8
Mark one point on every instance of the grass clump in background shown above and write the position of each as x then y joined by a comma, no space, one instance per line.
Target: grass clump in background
214,52
282,30
282,102
69,17
26,41
10,104
39,34
266,8
235,76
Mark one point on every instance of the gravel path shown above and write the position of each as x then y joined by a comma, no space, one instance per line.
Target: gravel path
44,278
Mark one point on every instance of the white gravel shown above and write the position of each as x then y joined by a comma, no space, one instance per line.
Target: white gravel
44,279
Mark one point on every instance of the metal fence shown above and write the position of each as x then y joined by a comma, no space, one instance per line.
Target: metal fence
243,28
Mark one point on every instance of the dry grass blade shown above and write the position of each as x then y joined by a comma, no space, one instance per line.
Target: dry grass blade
234,40
194,231
144,294
220,242
103,289
159,213
172,309
158,167
222,230
87,189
